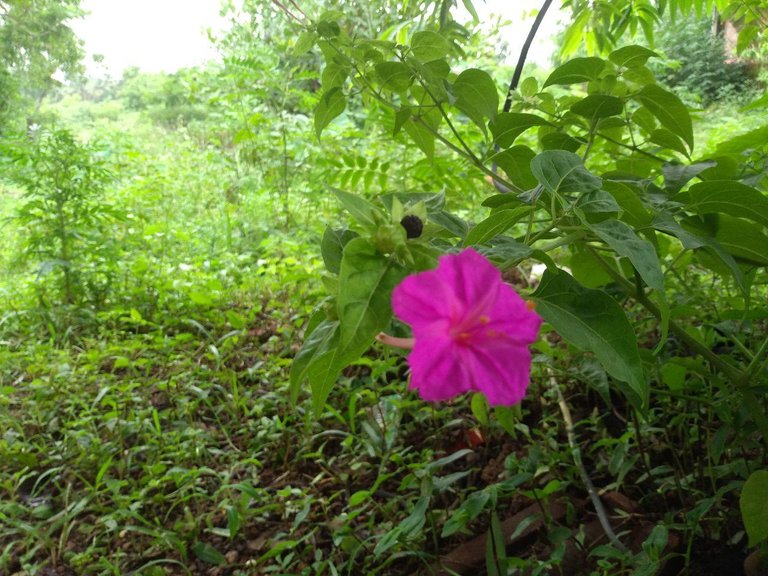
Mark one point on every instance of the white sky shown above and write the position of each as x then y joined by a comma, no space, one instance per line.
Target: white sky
155,35
165,35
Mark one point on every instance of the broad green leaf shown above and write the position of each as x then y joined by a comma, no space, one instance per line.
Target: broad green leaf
727,197
450,222
318,343
563,172
394,75
334,75
304,42
596,106
593,321
508,250
623,239
754,139
366,281
361,210
640,76
507,126
587,270
743,239
664,222
325,359
516,163
597,202
428,45
761,102
560,141
328,28
476,95
747,35
753,504
678,175
529,87
495,224
574,34
332,104
332,247
421,135
634,212
631,56
667,139
576,70
669,110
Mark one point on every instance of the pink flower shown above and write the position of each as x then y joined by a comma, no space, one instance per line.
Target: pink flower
471,331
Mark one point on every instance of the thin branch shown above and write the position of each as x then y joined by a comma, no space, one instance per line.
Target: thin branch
576,453
524,53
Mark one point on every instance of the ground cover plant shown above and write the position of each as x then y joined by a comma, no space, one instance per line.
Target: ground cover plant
345,304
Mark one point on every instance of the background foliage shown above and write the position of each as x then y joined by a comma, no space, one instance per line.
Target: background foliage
178,256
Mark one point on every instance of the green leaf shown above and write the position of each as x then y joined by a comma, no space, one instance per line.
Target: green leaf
747,35
304,42
754,139
596,106
332,104
479,407
476,95
332,247
678,175
753,504
208,554
664,222
495,224
325,363
507,126
631,56
427,46
634,212
743,239
516,163
394,75
320,340
588,271
334,75
667,139
328,29
669,110
576,70
366,281
761,102
593,321
560,141
727,197
597,202
641,253
421,135
361,210
563,172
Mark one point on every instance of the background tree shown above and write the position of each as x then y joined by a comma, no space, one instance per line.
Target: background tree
36,44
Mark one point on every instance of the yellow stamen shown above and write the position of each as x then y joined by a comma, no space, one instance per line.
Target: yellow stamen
484,319
530,304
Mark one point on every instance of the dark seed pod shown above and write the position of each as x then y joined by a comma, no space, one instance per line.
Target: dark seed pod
413,226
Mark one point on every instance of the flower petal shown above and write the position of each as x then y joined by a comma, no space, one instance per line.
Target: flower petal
501,373
437,371
511,315
472,279
421,299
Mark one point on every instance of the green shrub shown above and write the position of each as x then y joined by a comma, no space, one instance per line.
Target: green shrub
697,61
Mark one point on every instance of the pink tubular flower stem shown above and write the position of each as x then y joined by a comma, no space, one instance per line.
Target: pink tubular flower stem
406,343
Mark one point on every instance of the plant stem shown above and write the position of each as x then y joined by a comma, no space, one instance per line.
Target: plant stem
576,453
737,377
